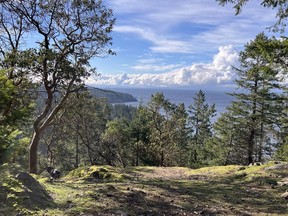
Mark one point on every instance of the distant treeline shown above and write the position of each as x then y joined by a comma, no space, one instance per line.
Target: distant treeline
111,96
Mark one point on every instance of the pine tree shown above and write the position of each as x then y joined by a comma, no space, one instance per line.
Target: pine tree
253,113
140,134
200,123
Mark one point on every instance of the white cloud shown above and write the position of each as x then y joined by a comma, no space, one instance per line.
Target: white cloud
177,32
155,68
217,72
160,43
154,65
159,21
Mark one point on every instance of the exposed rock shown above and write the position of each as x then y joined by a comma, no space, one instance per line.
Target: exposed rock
242,168
256,164
285,195
95,174
277,162
280,166
101,174
69,204
122,213
103,170
111,188
282,183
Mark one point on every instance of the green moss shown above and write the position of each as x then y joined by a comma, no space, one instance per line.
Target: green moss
231,188
215,170
97,172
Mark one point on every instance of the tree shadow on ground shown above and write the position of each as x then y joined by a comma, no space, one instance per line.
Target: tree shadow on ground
21,193
233,194
226,194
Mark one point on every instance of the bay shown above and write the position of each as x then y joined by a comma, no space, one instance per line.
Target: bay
179,95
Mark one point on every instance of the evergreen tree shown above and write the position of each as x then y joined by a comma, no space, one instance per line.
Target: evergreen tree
200,118
181,135
168,126
16,107
116,147
140,134
123,111
230,137
251,117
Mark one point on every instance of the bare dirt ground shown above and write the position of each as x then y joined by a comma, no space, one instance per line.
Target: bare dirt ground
163,191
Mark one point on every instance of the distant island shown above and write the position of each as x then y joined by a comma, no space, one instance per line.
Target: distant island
112,96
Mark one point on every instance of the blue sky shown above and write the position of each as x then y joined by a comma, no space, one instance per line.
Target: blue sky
183,43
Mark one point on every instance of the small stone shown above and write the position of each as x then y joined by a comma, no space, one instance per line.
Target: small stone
241,168
285,195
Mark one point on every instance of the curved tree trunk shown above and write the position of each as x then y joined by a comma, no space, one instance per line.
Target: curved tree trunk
33,152
42,123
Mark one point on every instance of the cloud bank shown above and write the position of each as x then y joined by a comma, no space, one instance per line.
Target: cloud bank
217,72
168,42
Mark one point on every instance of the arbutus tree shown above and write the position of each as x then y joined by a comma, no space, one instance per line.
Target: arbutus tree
64,36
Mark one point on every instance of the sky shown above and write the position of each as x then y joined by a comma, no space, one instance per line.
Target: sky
183,43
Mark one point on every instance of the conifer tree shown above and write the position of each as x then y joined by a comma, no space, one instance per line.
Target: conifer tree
253,114
168,128
140,133
201,114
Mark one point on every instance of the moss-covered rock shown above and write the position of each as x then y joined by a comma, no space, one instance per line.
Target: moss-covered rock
96,173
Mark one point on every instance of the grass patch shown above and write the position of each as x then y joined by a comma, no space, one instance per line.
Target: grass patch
105,190
215,170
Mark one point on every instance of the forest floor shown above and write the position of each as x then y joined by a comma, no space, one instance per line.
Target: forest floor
148,191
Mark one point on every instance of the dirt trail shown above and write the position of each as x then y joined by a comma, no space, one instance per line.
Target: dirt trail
166,173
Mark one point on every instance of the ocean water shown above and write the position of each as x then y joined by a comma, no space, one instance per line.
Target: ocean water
178,95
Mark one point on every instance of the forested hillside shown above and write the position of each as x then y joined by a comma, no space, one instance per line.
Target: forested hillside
111,96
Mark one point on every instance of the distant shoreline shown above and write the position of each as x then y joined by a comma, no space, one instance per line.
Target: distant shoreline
178,95
111,95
